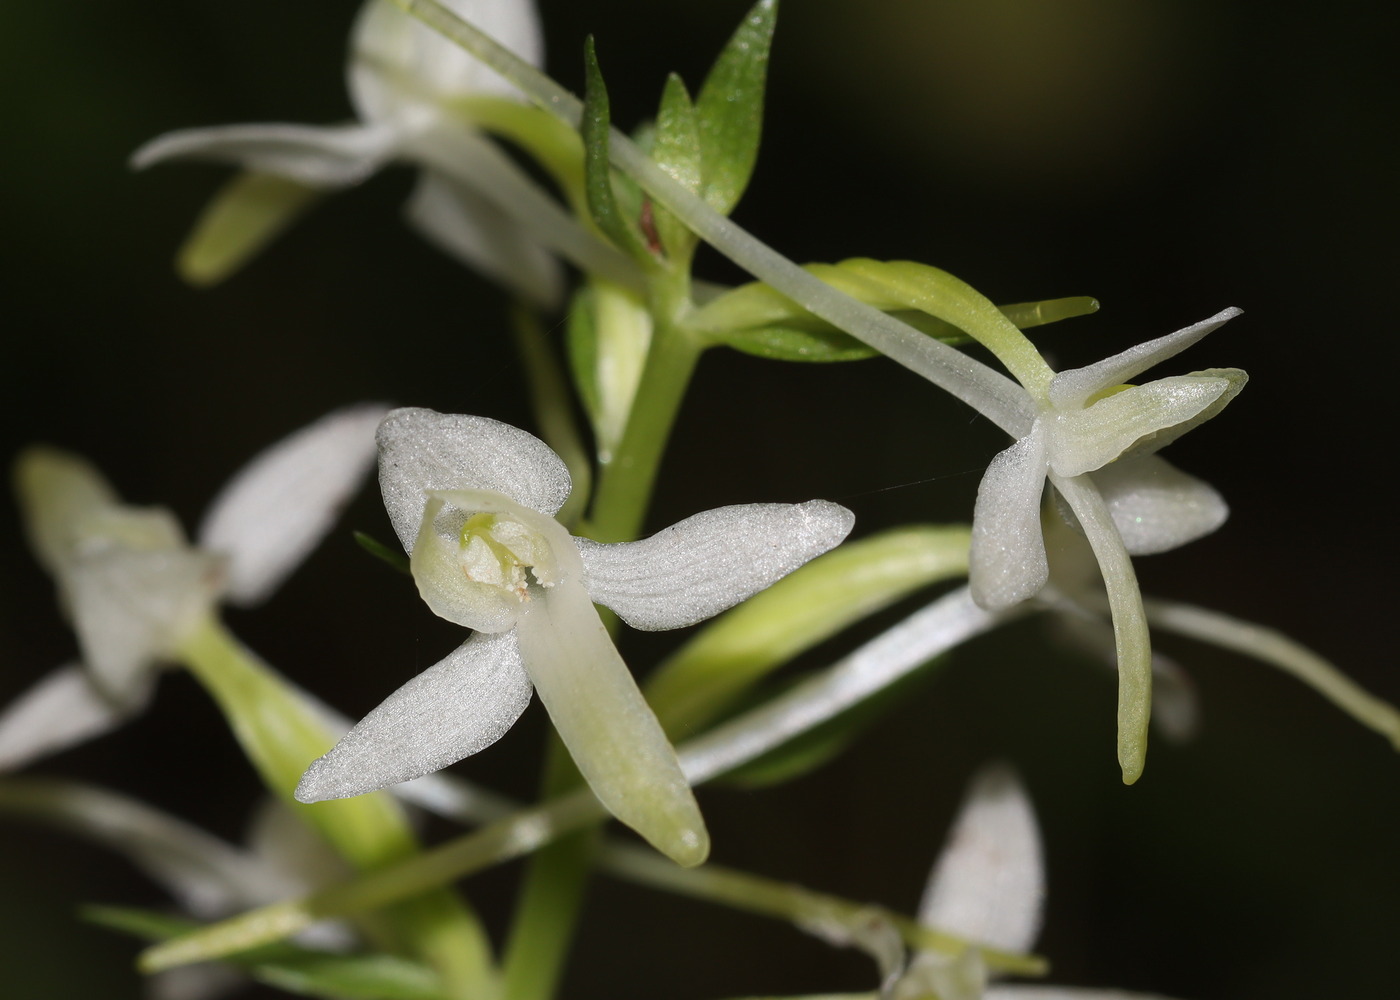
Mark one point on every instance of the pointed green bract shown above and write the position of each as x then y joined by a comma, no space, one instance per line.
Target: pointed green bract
247,214
729,108
597,171
676,149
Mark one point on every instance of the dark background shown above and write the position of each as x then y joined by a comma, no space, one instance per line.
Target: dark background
1169,159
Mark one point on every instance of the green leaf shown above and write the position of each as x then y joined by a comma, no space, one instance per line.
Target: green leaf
380,551
742,646
581,341
291,967
729,108
248,213
676,149
595,130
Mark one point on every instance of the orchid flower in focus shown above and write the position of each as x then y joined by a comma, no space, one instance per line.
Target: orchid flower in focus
134,588
473,502
988,886
411,89
1092,438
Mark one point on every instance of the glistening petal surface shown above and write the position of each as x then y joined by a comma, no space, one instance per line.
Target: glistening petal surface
62,710
327,157
421,450
1157,507
988,884
1072,387
1007,563
453,709
709,562
281,504
609,730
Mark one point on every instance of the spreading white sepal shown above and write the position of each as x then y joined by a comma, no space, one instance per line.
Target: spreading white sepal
281,504
322,157
709,562
422,450
62,710
453,709
988,884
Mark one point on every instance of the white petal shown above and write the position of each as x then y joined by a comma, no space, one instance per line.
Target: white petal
281,504
710,562
1156,506
1141,417
1007,561
988,884
609,729
57,491
1133,644
1072,388
449,711
205,874
331,157
481,235
421,450
398,62
61,711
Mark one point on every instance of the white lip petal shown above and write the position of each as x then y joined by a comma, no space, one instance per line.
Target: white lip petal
57,491
328,157
1141,417
609,729
483,236
1156,506
62,710
710,562
988,884
1131,639
396,59
1071,388
452,710
1007,562
281,504
422,450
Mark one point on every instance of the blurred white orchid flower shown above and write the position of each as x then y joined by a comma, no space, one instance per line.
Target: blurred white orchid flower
409,86
134,588
987,886
473,502
1092,438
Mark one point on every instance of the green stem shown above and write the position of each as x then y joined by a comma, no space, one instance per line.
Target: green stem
555,881
549,398
801,906
625,485
281,734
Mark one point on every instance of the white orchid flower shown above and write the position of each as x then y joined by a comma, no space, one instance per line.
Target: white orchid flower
134,588
988,886
409,85
1092,438
473,502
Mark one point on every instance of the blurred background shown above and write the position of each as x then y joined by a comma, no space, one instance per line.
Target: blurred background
1169,159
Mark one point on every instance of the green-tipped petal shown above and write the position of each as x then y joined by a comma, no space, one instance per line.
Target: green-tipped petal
247,214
